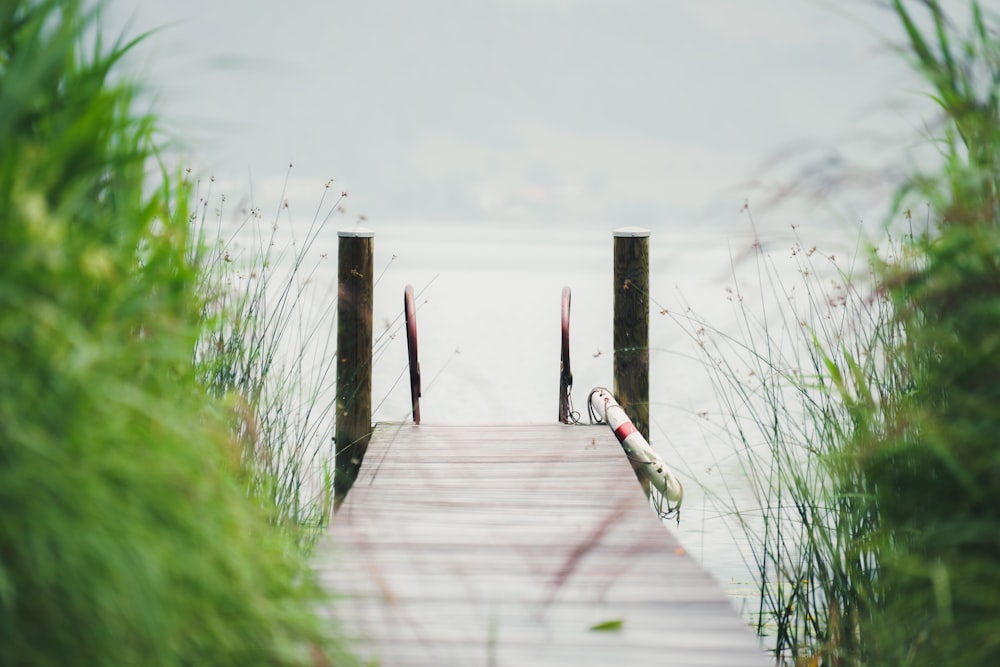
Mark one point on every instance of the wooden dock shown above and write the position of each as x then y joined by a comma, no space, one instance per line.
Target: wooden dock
517,546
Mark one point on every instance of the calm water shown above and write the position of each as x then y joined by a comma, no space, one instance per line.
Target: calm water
489,332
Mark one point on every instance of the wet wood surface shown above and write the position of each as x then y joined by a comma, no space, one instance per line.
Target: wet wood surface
515,545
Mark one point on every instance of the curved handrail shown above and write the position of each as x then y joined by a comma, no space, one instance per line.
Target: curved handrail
565,374
410,311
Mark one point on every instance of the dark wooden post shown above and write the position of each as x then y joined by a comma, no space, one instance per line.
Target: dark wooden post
631,330
355,288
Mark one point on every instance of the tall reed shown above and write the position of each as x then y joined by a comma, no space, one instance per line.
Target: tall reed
268,350
125,537
932,473
809,332
868,419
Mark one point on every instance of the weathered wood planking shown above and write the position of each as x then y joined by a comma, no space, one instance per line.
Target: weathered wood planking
505,545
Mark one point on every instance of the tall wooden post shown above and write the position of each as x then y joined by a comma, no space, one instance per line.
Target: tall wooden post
631,328
355,289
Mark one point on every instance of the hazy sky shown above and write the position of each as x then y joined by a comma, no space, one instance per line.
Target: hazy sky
601,112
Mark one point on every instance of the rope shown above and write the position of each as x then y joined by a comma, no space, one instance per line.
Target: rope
573,415
672,511
594,419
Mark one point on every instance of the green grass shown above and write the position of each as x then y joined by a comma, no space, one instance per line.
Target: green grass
126,536
268,349
268,352
865,411
804,327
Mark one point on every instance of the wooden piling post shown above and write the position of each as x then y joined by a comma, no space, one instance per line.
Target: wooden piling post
355,290
631,324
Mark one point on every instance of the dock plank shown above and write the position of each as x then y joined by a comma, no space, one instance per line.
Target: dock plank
505,545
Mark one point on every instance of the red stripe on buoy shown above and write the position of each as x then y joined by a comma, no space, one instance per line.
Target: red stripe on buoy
625,430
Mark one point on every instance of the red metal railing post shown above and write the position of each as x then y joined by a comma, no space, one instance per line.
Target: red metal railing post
565,374
410,311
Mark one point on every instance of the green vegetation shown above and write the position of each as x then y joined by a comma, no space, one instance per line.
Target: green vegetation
930,470
878,539
778,381
126,535
267,351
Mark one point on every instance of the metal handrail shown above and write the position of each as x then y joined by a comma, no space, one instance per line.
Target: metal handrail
565,374
410,311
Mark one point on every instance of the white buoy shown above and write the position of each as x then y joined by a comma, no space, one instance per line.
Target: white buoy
644,458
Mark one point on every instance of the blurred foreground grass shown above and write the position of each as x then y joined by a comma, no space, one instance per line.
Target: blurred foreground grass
126,536
867,424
